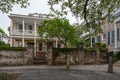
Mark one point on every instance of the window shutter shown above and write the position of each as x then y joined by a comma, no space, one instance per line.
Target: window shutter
117,33
108,38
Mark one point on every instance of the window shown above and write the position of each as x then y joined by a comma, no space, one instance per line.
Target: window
30,28
112,37
98,39
20,28
104,36
93,40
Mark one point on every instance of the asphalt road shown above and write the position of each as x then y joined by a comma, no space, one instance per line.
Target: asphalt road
61,74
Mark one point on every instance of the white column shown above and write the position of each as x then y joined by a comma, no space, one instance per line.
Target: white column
34,47
11,42
115,30
23,43
35,39
35,28
11,23
91,41
56,43
11,33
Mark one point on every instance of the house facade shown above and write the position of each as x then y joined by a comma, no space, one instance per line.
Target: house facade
23,32
111,33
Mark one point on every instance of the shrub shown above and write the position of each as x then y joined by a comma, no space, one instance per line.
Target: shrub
103,45
90,49
13,48
65,49
2,43
98,44
103,49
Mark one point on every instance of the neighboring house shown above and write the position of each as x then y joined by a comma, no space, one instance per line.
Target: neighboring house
111,33
23,32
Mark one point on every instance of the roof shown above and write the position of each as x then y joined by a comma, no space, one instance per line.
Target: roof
31,16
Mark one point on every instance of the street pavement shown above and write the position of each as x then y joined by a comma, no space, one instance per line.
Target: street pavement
76,72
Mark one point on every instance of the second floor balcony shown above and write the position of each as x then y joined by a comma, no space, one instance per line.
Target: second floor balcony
26,32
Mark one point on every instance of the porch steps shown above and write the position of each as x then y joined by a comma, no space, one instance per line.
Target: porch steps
40,58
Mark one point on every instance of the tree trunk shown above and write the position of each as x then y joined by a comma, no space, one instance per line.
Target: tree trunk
68,62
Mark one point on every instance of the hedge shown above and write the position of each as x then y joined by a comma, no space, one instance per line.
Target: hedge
90,49
13,48
65,49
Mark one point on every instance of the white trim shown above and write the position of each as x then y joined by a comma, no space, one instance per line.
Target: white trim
115,31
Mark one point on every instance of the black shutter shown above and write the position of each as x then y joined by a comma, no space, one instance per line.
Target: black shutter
93,40
117,33
108,38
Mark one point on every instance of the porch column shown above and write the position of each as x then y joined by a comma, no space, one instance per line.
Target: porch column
35,28
23,43
115,31
34,47
11,42
11,23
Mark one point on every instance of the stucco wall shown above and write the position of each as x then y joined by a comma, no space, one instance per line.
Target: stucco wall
15,57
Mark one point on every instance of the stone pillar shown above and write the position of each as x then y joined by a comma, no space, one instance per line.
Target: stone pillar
97,47
81,54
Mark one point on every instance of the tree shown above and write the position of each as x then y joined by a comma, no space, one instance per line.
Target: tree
61,29
93,12
3,32
58,28
7,5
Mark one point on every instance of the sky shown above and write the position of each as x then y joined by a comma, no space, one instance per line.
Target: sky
36,6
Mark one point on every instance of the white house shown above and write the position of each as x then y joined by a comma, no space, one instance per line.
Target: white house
23,32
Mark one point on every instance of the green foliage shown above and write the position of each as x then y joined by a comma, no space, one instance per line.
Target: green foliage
2,43
12,48
103,45
3,32
7,5
64,50
58,28
90,49
93,12
99,44
104,49
3,76
116,57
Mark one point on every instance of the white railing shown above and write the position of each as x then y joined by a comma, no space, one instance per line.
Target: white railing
20,32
